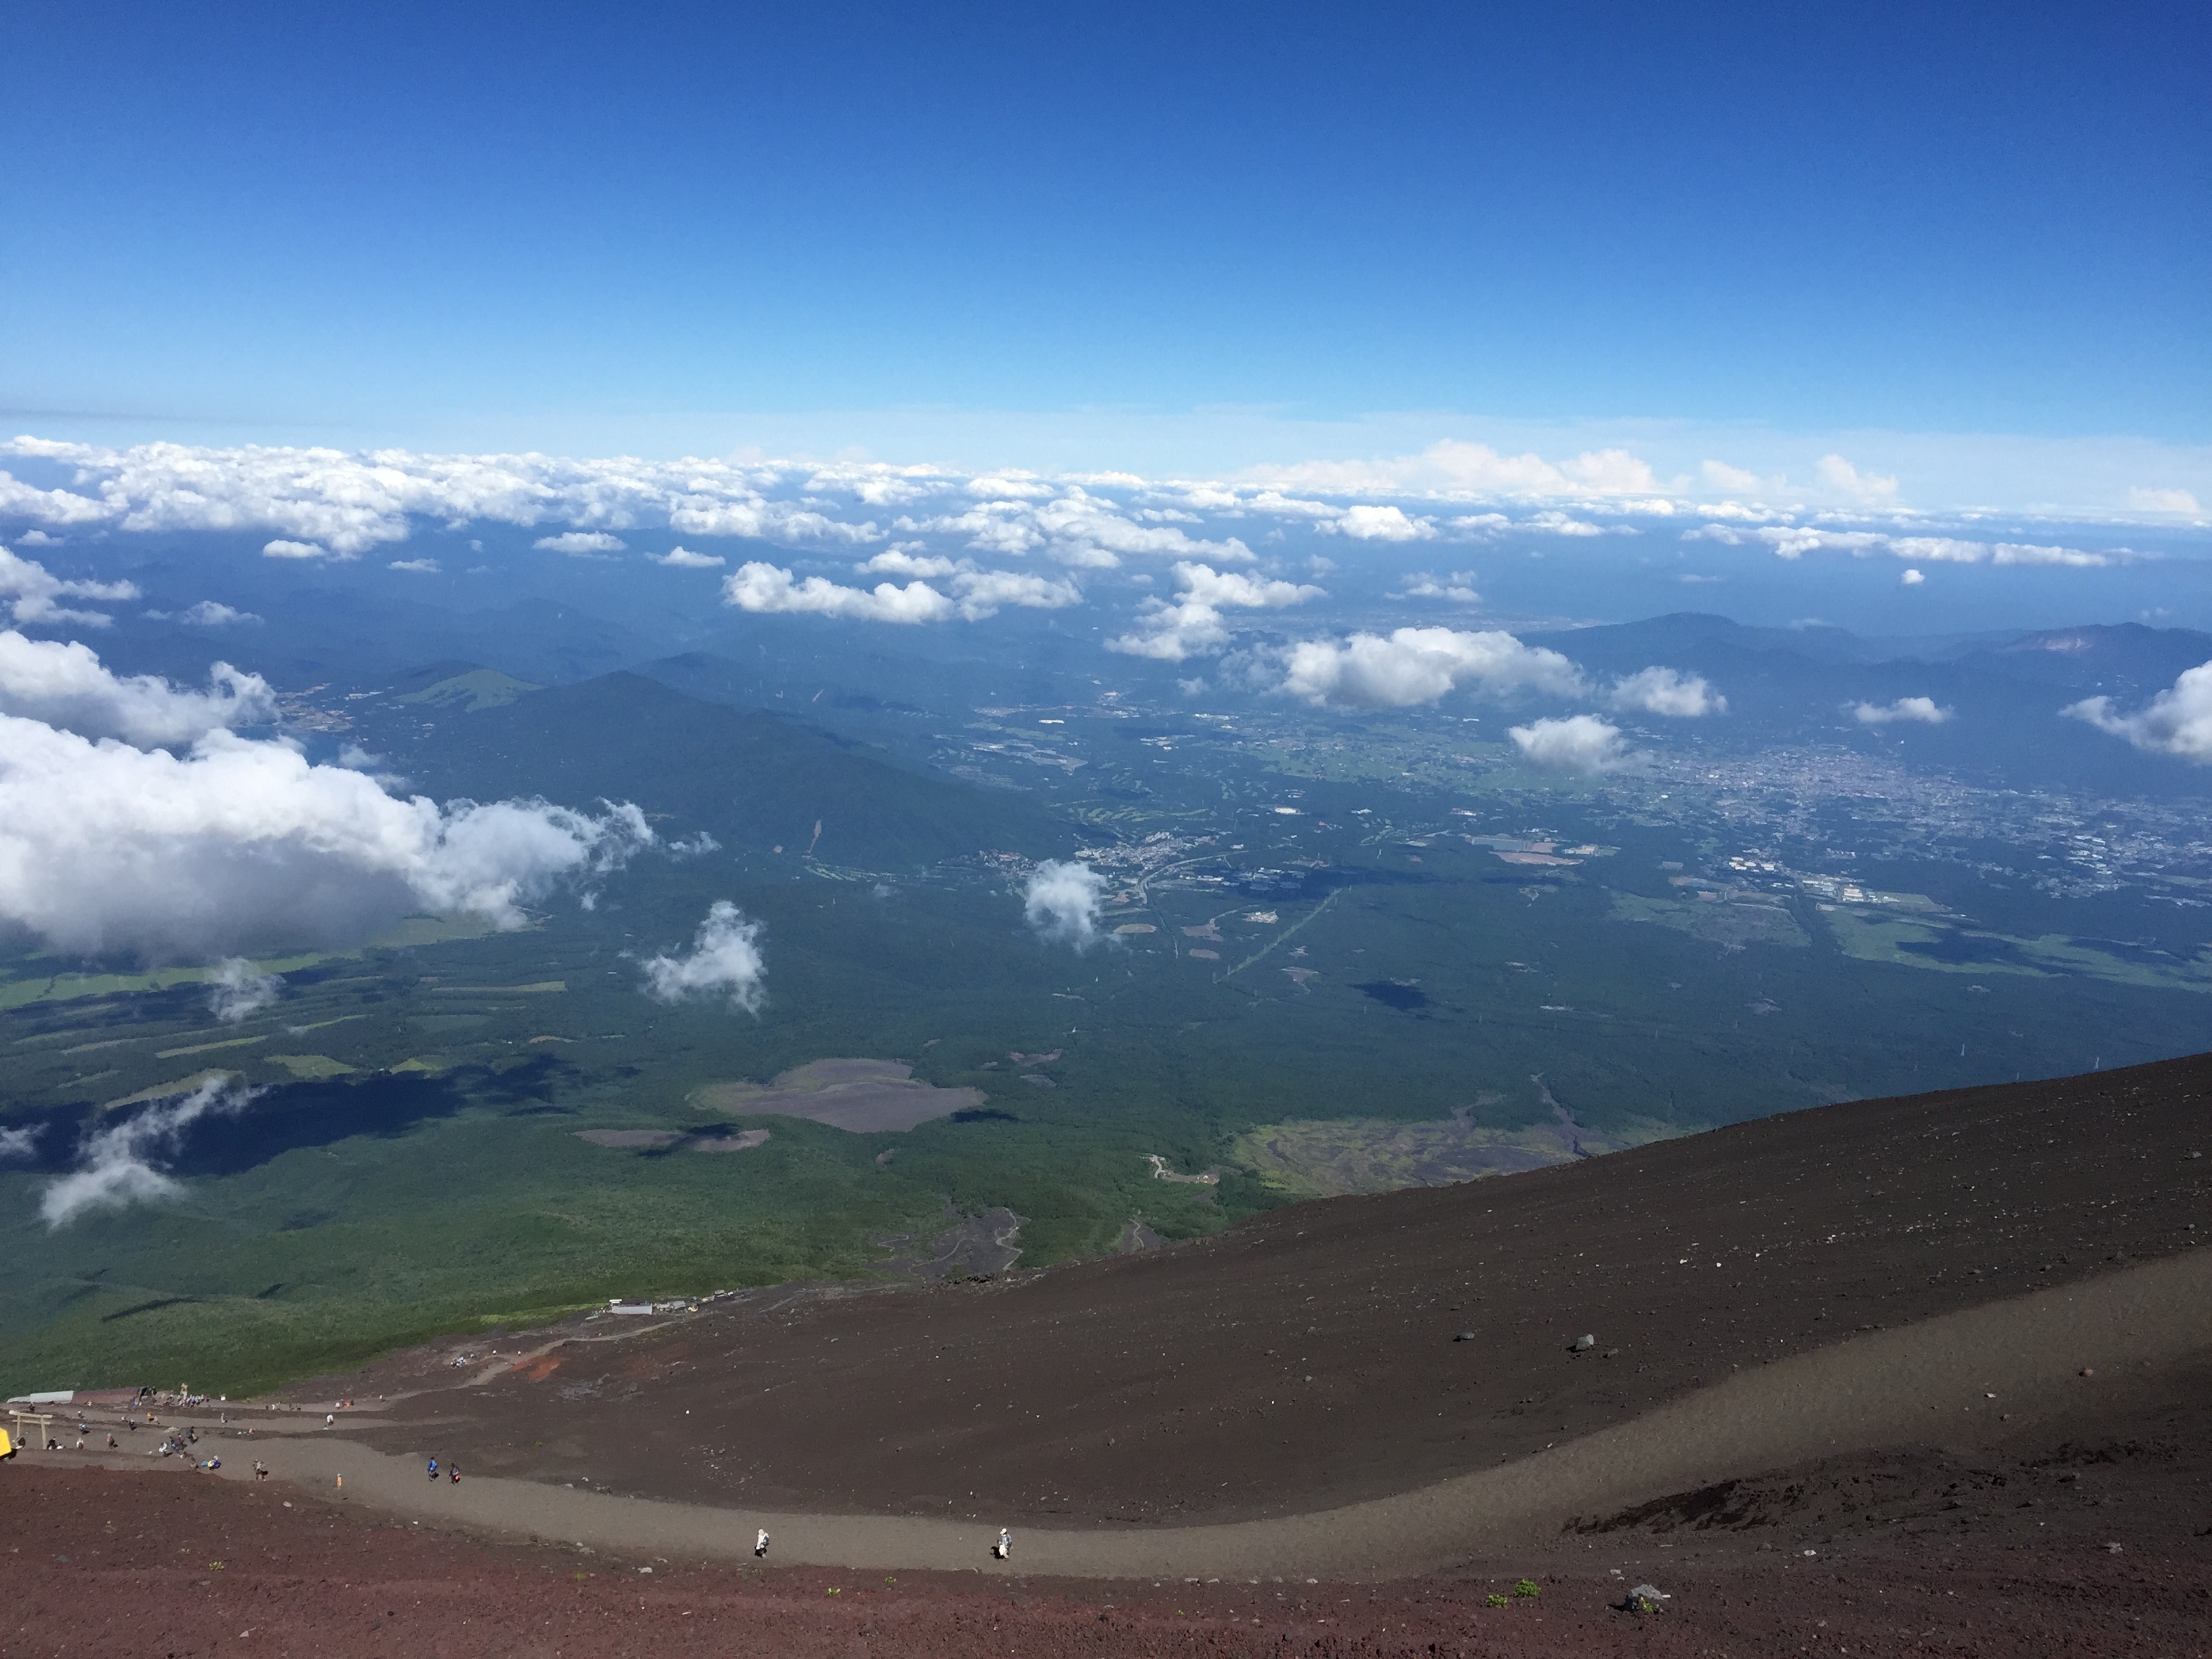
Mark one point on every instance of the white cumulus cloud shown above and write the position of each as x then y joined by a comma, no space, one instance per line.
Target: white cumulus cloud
1170,630
1582,744
115,1164
1455,587
1061,901
1923,710
236,992
31,589
761,587
1380,524
2164,501
66,685
1839,476
237,844
212,613
1421,664
581,543
981,592
724,960
2178,721
281,548
908,560
683,558
1666,691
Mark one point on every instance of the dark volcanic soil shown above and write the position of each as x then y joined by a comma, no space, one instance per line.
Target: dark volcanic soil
1308,1360
162,1566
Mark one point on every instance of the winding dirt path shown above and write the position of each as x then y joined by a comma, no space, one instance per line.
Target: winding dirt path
1963,1378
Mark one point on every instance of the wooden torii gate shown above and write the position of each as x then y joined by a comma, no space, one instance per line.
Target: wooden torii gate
23,1420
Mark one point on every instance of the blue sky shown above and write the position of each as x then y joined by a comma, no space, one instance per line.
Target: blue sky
1233,233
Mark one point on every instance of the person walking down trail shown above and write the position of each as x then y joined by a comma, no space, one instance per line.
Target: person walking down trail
434,1471
453,1472
260,1470
760,1544
1005,1546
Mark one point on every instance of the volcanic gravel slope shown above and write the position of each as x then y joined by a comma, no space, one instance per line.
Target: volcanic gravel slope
1308,1360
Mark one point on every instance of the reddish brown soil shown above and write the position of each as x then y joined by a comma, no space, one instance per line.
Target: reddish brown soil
151,1565
1307,1360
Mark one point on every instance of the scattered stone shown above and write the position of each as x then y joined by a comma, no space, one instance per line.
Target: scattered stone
1644,1598
1584,1344
1464,1336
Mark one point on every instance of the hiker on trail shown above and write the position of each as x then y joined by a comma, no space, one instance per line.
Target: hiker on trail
1005,1546
454,1470
434,1471
330,1419
111,1442
760,1544
260,1470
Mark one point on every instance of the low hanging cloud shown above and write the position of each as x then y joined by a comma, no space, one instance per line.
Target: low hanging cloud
1581,744
982,593
1452,468
1379,524
116,1165
237,992
31,589
1840,477
1457,586
283,548
2178,721
582,542
237,844
765,588
21,1143
1668,692
66,685
724,960
683,558
1414,665
1922,710
1061,902
1793,542
1190,624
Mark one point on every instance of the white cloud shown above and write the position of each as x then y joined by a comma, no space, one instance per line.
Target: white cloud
32,590
39,538
208,613
1839,476
1452,468
2155,501
1170,631
981,592
2178,721
237,992
1077,529
1555,523
21,1143
1922,709
724,959
66,685
418,566
1380,524
581,543
1911,578
1421,664
115,1168
683,558
238,844
1060,901
1721,476
1794,541
331,503
1666,691
760,587
907,559
1580,742
1454,587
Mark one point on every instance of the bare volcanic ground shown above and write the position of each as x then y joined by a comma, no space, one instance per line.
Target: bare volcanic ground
1348,1349
149,1564
864,1096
